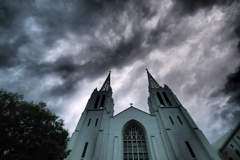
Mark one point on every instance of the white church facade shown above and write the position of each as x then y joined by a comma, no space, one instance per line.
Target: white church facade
166,133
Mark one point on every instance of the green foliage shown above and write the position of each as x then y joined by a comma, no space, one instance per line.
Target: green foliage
30,131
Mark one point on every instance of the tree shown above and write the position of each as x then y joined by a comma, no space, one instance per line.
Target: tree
30,131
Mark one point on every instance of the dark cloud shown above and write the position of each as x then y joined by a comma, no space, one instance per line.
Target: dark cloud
22,20
49,49
8,52
237,31
7,14
81,18
191,7
232,87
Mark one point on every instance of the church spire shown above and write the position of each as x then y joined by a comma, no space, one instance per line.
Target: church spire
106,85
152,82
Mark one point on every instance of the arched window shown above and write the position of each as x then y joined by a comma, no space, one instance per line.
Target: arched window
166,98
134,143
160,98
102,102
96,102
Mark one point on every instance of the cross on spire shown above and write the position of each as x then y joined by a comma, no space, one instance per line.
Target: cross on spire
152,82
106,85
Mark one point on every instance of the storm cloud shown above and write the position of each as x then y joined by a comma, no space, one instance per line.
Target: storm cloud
58,52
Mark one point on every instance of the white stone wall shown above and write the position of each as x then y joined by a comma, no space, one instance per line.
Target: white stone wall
165,141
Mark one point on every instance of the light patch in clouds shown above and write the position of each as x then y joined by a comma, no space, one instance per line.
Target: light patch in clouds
32,27
51,80
66,47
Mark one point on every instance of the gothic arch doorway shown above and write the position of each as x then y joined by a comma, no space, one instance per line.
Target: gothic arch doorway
134,142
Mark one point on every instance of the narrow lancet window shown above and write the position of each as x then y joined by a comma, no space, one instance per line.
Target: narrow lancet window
160,98
96,122
89,121
134,144
190,149
179,120
97,100
171,120
102,102
84,150
166,98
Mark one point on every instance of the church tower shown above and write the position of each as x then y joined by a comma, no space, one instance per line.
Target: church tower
88,135
180,135
166,133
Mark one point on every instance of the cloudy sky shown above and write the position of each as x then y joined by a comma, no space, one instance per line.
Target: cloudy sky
59,51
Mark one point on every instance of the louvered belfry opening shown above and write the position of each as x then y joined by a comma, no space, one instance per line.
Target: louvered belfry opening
134,142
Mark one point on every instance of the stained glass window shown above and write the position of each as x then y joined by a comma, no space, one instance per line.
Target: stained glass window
134,144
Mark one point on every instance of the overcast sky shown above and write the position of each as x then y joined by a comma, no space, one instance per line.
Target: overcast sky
60,51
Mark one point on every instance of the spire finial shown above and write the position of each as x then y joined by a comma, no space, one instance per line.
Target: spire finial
106,85
152,82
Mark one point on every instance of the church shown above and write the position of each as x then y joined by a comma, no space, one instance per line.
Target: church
167,132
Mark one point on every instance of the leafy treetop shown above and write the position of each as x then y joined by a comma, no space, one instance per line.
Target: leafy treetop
30,131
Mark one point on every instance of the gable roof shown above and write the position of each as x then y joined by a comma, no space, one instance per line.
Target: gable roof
132,108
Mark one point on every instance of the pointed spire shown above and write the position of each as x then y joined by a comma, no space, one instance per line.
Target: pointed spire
106,85
152,82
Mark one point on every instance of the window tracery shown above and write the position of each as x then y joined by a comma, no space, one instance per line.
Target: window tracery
135,147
